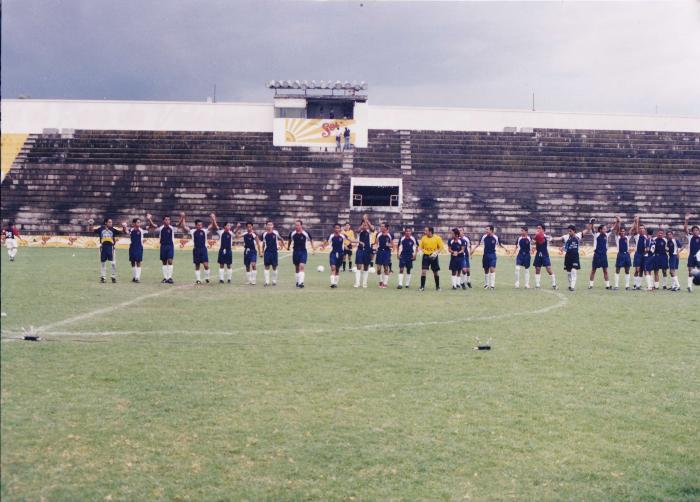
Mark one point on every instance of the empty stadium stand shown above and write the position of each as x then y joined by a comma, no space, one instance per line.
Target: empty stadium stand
449,178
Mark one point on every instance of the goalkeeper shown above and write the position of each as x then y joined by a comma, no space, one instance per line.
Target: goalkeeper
430,245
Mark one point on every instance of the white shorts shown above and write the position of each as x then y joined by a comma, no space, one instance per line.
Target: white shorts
11,243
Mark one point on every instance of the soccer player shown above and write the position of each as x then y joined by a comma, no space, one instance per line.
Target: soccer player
272,242
347,252
108,238
488,262
335,257
166,233
11,234
363,255
600,254
542,257
649,260
623,259
571,243
225,258
251,248
466,270
673,262
136,234
200,255
639,233
693,250
522,259
385,243
455,244
431,245
406,253
660,249
300,238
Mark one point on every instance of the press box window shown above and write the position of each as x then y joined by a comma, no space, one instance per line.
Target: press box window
378,196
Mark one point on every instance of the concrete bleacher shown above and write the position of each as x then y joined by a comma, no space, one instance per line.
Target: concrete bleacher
449,179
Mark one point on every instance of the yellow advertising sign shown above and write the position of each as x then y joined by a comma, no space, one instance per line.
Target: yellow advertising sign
316,131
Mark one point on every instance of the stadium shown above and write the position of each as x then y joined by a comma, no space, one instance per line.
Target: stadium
131,373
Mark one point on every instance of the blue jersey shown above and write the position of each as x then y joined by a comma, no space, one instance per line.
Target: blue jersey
299,239
107,235
622,244
693,244
659,246
572,244
642,244
524,245
167,235
467,244
271,241
136,237
672,247
490,242
456,245
365,240
541,248
408,246
199,236
249,239
225,239
336,242
600,243
384,242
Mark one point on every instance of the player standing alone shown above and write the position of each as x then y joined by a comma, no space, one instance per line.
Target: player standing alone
406,253
300,238
488,261
363,255
108,238
693,250
11,234
335,257
600,254
136,234
430,245
200,255
166,233
225,258
572,260
522,259
272,242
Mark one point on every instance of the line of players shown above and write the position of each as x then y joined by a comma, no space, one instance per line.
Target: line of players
656,257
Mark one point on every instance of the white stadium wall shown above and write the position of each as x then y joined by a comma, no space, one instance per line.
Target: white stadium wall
34,115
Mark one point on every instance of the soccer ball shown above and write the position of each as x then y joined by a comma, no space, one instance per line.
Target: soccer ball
321,268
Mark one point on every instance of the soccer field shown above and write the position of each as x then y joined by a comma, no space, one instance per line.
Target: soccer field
150,391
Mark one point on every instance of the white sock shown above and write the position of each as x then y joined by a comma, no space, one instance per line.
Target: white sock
138,273
103,269
207,274
554,280
517,275
663,280
254,276
114,268
627,280
134,275
165,271
12,252
386,279
365,277
493,279
221,274
690,282
656,284
617,280
538,277
198,275
574,275
358,277
527,277
170,271
408,280
590,283
486,278
301,277
229,273
296,277
266,275
650,283
400,279
274,276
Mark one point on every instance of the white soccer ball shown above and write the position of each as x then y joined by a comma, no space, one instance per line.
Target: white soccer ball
354,269
321,268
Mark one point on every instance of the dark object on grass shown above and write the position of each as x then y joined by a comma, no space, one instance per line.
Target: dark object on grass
32,338
483,347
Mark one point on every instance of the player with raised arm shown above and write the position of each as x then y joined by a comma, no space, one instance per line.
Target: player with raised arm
600,253
10,234
272,242
623,259
488,261
639,234
363,255
136,234
200,255
465,280
347,252
674,248
385,244
523,247
430,245
108,238
166,233
335,257
456,247
406,253
693,236
300,238
542,258
251,248
225,257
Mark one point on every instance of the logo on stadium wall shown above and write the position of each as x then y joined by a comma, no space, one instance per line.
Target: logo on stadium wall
315,131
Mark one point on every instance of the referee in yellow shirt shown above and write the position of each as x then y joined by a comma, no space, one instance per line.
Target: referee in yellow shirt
430,245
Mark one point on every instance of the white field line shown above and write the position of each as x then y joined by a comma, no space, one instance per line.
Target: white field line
563,300
119,306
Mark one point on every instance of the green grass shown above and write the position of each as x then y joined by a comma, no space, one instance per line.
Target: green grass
342,394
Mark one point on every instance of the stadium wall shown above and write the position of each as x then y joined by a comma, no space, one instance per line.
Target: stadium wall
34,115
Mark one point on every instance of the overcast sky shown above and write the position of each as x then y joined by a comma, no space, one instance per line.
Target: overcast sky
588,57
